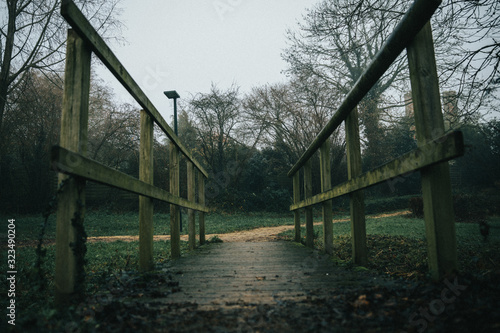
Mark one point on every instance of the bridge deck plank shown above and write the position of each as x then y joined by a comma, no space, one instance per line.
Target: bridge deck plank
225,274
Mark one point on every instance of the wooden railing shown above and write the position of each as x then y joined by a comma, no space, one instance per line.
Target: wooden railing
70,159
434,149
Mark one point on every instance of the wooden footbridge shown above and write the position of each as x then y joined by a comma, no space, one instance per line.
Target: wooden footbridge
256,271
249,273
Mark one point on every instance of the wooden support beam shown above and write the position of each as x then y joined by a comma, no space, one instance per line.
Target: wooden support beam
78,21
309,210
74,123
296,199
201,201
191,192
175,216
326,184
356,199
146,203
411,23
443,149
436,184
75,164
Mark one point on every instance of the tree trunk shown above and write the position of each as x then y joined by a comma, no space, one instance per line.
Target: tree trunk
5,79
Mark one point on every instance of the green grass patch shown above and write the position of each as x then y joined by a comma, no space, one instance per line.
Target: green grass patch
105,262
127,224
397,245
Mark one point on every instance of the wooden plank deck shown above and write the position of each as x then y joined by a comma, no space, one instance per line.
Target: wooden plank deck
236,274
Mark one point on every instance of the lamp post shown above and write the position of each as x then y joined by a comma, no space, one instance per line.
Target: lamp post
172,94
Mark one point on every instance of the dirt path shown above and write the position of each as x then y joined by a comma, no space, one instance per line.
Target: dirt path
265,234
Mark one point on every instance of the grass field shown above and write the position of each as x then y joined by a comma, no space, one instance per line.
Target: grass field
397,246
104,224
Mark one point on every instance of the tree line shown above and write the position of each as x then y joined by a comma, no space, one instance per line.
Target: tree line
249,141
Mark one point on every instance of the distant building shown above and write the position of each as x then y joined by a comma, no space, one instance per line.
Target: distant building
449,105
450,117
450,109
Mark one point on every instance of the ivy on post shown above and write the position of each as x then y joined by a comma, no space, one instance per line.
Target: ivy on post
357,199
296,199
436,184
70,211
191,189
201,201
309,210
326,184
145,203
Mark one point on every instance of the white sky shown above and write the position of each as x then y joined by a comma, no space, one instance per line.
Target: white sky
185,45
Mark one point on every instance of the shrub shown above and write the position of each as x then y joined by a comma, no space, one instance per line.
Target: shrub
383,205
467,207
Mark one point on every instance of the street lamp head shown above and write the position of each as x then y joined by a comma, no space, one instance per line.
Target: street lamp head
171,94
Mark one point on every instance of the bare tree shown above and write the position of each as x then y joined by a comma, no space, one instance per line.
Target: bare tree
337,37
336,43
33,35
113,127
217,116
31,127
292,114
468,53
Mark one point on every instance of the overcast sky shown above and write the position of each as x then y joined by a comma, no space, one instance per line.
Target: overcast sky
186,45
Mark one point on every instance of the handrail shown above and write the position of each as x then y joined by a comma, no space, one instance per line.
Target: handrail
91,170
412,22
70,158
87,32
442,149
430,158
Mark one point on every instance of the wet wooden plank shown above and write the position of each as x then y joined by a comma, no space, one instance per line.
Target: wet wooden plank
266,272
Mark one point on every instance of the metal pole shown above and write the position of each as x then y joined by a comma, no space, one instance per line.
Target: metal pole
177,133
174,95
175,117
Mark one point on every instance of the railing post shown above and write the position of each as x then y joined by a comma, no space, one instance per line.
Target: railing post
326,184
356,199
296,199
191,191
201,201
175,241
309,210
436,185
74,123
145,203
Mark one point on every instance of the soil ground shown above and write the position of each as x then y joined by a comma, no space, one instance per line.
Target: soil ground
255,235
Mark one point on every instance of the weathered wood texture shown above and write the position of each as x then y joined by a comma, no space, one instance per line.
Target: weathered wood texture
78,21
74,121
356,199
191,189
70,158
296,199
309,210
175,213
415,18
227,274
146,204
201,201
430,158
75,164
441,150
326,184
436,185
